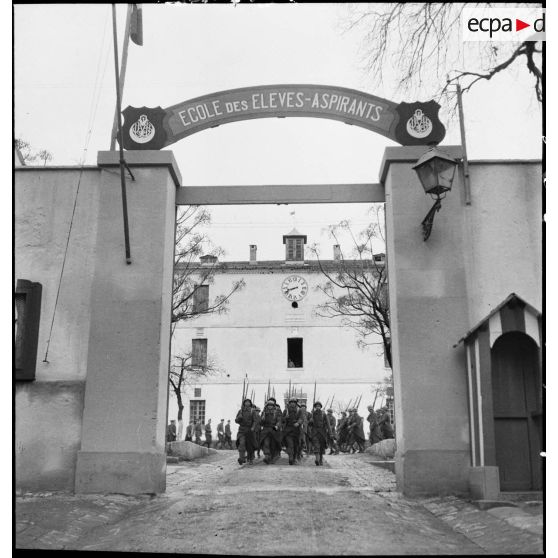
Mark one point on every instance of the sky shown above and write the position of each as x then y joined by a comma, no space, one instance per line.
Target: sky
65,98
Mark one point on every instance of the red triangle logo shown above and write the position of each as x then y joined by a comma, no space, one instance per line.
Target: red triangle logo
519,25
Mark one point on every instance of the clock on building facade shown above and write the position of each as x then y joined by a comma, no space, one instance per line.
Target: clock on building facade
294,288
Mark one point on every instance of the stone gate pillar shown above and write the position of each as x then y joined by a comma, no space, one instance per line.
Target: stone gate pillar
428,301
126,391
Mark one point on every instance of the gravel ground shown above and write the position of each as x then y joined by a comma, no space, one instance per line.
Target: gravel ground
214,506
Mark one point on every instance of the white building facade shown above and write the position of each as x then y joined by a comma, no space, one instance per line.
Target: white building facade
271,337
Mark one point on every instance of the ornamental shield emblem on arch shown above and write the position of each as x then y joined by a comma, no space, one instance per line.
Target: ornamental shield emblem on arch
143,128
419,124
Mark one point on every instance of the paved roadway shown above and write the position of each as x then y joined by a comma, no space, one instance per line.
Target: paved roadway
213,505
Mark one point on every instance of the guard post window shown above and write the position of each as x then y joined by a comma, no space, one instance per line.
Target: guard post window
26,328
294,352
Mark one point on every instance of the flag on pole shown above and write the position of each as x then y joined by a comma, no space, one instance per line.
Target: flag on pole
136,25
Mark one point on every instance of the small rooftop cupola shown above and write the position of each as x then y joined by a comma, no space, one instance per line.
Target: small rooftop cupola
294,246
208,259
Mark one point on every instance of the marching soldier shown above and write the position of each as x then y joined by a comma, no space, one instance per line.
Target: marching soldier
385,424
320,432
257,428
342,431
270,437
375,433
292,419
331,438
301,433
245,436
356,431
304,442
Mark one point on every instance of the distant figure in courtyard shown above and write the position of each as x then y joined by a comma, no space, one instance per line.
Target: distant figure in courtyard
375,432
320,432
356,431
385,424
171,431
228,435
190,431
221,434
208,434
197,431
245,437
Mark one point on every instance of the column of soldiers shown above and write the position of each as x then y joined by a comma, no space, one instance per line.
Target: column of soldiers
294,430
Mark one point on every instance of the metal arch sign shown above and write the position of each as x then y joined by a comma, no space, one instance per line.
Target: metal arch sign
405,123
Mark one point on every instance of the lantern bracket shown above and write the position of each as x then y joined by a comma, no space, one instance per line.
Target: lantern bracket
428,221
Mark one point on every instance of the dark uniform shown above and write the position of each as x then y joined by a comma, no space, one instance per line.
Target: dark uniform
245,436
189,432
292,419
375,433
343,432
331,442
228,435
385,426
270,436
171,432
198,432
208,434
257,429
320,432
356,431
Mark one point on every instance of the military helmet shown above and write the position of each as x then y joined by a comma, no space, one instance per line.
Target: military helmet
293,400
272,399
330,410
318,403
247,399
370,408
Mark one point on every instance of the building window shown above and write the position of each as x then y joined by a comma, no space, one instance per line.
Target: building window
26,328
199,352
294,352
197,392
197,411
201,299
295,249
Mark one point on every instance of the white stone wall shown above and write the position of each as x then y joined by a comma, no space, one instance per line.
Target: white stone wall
251,338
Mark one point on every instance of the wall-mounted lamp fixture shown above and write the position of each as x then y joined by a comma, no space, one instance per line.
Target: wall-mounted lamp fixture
436,171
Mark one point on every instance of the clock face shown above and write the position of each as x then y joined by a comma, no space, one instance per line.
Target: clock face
294,288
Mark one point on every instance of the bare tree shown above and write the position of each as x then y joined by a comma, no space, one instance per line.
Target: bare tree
356,289
191,274
422,44
183,375
195,263
29,155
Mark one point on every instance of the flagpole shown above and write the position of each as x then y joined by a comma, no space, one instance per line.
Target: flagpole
123,66
121,150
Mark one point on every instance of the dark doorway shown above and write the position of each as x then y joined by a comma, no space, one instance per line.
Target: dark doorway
516,392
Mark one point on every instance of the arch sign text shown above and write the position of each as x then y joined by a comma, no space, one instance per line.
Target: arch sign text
405,123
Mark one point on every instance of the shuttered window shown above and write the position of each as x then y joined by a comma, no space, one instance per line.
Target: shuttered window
199,352
295,249
201,298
